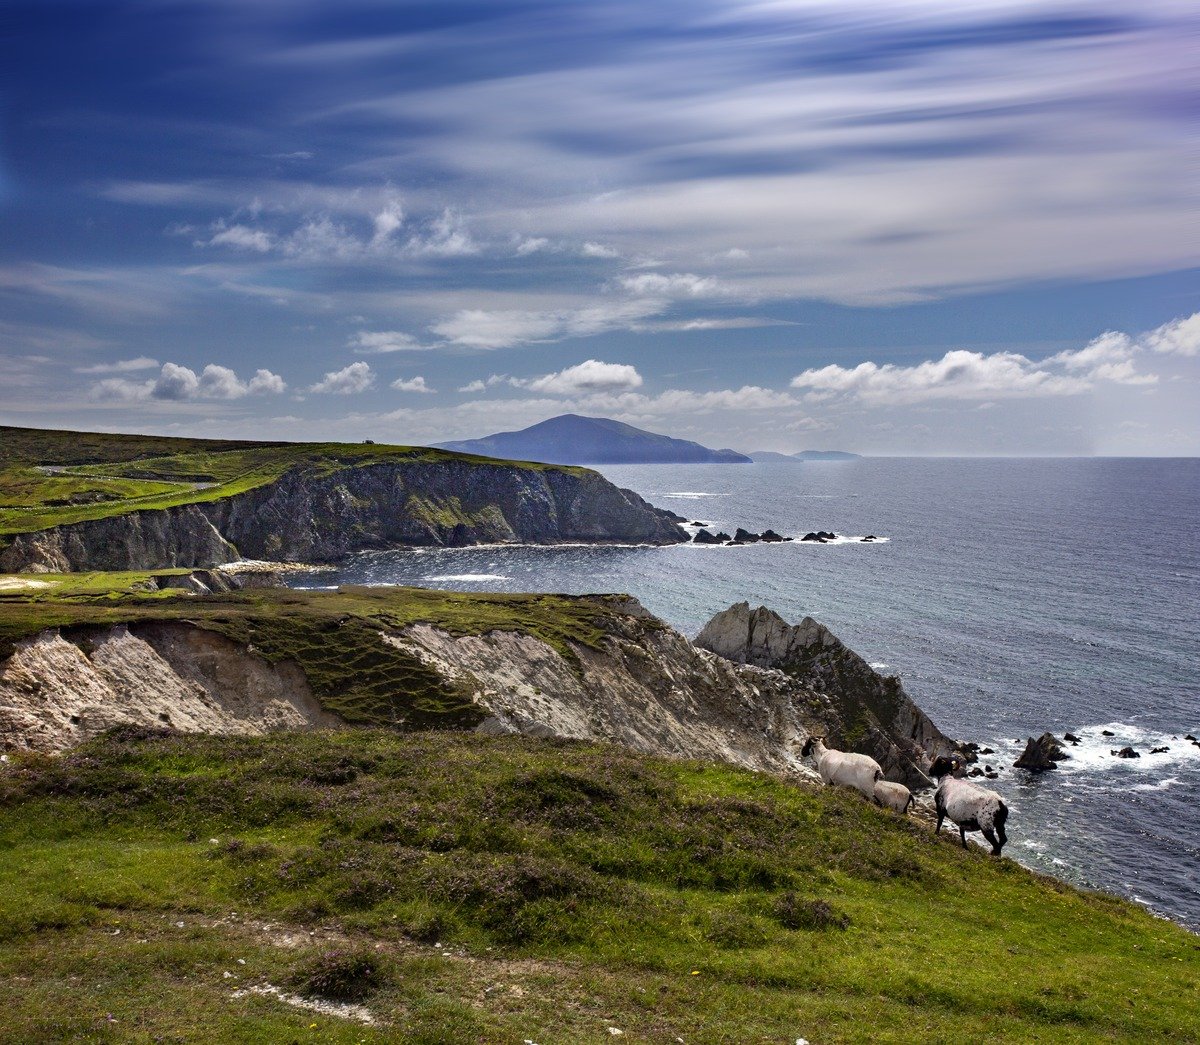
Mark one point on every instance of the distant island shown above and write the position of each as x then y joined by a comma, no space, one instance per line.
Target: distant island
767,456
572,439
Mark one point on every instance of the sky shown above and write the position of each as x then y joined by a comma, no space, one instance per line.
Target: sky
912,227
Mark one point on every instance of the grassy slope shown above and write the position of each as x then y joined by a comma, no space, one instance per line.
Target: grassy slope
572,887
114,474
335,637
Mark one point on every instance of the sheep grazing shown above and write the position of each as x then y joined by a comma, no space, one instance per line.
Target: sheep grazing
843,767
893,796
971,807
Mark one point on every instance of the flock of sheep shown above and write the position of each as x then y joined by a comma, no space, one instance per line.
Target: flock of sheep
969,806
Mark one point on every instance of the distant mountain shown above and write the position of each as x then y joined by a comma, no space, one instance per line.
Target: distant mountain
769,456
766,456
571,439
826,455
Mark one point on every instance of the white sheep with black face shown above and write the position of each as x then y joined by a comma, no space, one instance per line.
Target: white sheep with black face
971,807
893,796
846,768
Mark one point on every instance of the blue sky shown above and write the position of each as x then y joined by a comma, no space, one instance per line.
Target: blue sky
903,227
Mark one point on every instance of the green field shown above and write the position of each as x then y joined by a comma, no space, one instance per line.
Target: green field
106,475
465,888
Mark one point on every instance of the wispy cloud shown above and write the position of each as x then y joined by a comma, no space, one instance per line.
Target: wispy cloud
121,366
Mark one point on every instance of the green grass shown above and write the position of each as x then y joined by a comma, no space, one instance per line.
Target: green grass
335,637
571,887
114,474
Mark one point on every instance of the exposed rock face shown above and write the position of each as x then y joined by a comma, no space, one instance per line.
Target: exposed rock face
645,687
56,692
875,715
309,518
182,536
649,689
1041,754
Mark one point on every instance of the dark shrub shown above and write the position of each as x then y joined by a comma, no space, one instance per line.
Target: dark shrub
342,975
792,912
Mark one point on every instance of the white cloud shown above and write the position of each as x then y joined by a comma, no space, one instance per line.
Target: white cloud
1180,337
350,380
386,221
531,245
598,250
589,376
380,341
473,386
265,381
323,239
446,237
121,366
179,383
959,374
671,285
241,236
504,328
412,384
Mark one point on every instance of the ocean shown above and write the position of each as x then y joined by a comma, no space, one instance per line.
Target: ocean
1012,596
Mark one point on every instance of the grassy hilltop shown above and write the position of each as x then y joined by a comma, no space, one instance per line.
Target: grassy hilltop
465,888
51,478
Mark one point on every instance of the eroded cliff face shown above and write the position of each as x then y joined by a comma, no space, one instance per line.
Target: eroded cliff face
647,688
874,714
58,691
311,518
182,536
640,684
644,686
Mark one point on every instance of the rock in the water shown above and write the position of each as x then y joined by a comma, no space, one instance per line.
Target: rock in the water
1107,733
745,536
704,537
986,751
1041,754
813,537
1158,750
827,535
771,537
1071,738
1126,752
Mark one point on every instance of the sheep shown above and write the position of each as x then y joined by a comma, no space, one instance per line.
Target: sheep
843,767
971,807
893,796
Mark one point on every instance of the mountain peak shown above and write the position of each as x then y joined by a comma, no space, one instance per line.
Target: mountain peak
575,439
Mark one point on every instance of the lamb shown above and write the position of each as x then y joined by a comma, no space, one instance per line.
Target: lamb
971,807
893,796
843,767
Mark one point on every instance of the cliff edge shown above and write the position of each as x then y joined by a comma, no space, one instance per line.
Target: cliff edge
875,715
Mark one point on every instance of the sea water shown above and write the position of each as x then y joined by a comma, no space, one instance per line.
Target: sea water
1012,596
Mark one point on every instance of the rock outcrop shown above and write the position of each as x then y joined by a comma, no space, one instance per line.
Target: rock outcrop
874,714
58,691
320,518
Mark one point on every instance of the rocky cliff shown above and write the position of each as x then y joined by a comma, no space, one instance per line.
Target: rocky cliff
319,517
587,667
875,715
634,681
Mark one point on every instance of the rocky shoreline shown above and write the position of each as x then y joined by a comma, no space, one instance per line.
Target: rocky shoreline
323,518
